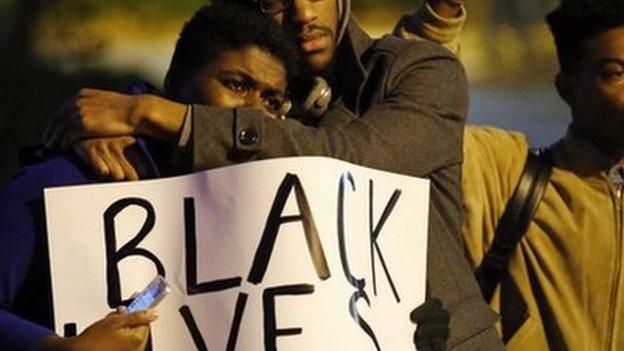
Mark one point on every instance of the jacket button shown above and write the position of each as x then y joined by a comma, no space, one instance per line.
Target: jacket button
248,137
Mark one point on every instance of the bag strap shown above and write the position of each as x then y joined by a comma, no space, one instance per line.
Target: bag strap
515,221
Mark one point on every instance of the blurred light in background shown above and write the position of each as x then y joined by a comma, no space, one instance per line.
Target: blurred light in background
54,47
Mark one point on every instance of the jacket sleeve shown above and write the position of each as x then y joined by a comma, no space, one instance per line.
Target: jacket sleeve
18,232
426,24
416,128
18,334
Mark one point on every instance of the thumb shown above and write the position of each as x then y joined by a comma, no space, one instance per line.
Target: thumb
138,319
428,310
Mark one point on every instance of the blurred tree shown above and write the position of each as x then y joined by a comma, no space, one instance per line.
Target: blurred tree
30,89
25,14
520,14
5,18
84,10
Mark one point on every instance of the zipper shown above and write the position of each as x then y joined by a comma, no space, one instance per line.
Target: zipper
618,270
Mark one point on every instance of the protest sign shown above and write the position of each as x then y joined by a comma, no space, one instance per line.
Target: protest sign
297,254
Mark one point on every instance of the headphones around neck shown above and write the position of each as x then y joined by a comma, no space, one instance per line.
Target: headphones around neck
319,98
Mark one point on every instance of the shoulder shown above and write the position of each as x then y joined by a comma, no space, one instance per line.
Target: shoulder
408,53
497,141
486,132
493,163
406,56
493,160
30,181
21,199
425,72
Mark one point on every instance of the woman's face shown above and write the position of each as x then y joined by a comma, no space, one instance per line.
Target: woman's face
249,77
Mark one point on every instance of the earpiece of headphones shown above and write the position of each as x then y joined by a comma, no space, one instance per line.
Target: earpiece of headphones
319,98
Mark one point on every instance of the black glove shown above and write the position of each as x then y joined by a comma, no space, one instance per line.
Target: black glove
433,326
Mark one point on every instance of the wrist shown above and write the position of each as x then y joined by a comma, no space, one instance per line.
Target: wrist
159,118
55,343
144,113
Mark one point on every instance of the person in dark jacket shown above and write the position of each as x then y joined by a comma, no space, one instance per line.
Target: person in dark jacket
390,105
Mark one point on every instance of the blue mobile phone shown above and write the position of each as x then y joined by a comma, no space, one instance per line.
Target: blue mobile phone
155,291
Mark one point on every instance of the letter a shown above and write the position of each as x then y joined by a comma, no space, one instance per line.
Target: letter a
275,220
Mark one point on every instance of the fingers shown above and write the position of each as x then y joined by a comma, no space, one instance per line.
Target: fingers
433,325
431,308
137,319
145,338
431,338
128,170
419,313
116,171
117,311
431,331
437,314
88,92
137,159
107,157
117,331
90,155
439,343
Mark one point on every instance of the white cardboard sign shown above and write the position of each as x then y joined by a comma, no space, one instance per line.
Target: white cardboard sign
290,254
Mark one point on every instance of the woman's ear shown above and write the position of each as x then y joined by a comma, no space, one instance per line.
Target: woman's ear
565,87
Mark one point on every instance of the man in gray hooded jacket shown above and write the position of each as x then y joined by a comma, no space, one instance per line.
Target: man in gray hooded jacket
392,105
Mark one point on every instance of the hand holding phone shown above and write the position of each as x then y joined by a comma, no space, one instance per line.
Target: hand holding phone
155,292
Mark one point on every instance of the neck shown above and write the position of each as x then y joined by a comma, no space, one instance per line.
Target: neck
613,150
329,73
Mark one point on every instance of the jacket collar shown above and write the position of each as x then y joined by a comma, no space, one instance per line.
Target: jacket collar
579,156
357,39
350,70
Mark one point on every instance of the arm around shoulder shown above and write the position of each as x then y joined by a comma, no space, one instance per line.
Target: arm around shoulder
418,120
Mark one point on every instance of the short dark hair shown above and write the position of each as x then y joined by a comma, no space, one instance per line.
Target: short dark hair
221,27
576,21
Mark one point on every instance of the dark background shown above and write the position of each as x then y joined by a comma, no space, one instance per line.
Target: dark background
52,48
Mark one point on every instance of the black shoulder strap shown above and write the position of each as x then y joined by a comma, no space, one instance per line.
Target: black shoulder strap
515,221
